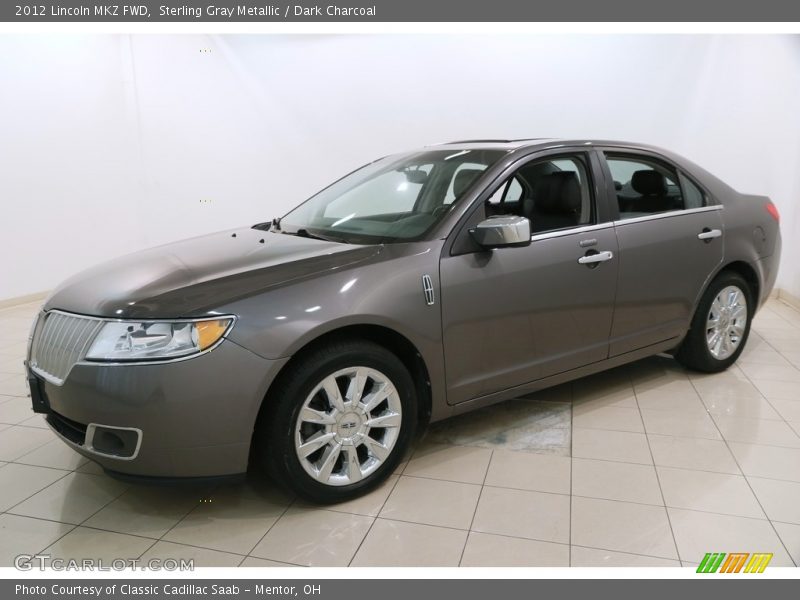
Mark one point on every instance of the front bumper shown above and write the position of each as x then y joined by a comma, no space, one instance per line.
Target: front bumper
187,419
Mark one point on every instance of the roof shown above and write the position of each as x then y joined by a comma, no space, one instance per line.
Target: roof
538,142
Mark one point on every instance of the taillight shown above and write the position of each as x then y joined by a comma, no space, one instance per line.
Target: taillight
773,211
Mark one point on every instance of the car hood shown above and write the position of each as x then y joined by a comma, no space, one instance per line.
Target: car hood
194,277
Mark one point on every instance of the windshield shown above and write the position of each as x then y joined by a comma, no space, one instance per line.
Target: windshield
397,198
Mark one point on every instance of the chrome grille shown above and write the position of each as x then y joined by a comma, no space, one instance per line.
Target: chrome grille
59,341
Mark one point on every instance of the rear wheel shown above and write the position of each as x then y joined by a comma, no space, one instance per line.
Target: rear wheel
339,421
720,326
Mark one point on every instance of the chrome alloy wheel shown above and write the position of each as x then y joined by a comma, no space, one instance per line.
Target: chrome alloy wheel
348,426
726,322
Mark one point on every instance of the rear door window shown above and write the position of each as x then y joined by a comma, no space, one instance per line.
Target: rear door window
646,186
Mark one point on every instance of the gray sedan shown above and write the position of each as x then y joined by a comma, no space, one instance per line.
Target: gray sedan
420,286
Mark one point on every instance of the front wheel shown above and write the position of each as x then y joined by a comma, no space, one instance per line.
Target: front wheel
720,326
338,421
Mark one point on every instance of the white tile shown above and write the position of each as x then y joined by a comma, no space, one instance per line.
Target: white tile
693,453
18,441
15,410
231,519
92,468
762,356
621,446
23,535
756,407
788,409
772,388
201,557
609,417
757,431
520,513
711,492
686,402
772,462
772,372
252,561
399,544
464,464
780,499
593,557
622,526
146,511
14,385
314,537
72,499
418,500
697,533
56,455
12,366
82,542
793,357
18,482
615,481
603,389
37,420
487,550
662,422
528,471
790,535
730,384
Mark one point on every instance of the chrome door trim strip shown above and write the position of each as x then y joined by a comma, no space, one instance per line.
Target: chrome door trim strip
562,232
667,215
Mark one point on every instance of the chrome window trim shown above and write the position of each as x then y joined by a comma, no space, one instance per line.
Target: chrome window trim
571,231
668,214
89,439
619,222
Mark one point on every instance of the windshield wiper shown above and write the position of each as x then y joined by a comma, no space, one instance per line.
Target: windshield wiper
314,236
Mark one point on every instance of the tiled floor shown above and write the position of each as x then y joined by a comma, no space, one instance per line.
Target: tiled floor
645,465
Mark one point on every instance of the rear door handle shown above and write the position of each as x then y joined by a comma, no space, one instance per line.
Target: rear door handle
709,234
598,257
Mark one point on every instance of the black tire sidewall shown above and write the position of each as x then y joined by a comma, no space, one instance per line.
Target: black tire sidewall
292,393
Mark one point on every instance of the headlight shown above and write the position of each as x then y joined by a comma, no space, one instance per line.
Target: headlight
156,340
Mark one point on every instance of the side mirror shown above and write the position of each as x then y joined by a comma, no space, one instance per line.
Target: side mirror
502,231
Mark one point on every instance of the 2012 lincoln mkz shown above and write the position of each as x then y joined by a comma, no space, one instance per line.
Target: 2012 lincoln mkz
420,286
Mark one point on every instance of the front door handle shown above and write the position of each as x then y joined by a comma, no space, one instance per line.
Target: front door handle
709,234
596,257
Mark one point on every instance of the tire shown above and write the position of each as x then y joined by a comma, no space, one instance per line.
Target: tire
700,350
303,413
